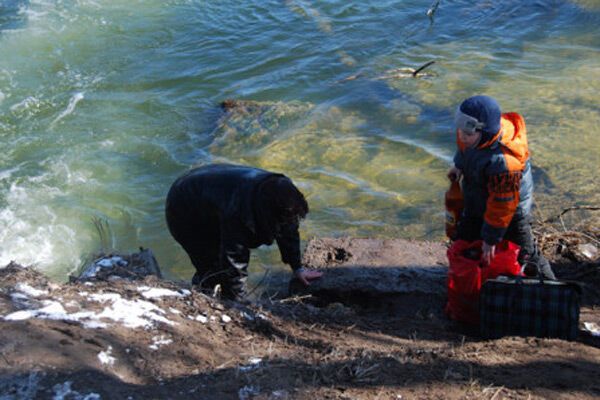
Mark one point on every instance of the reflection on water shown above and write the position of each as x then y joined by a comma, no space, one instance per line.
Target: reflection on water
104,104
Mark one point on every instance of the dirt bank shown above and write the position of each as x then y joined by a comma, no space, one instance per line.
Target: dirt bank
151,338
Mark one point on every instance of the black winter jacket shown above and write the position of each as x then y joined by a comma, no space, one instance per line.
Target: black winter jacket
230,194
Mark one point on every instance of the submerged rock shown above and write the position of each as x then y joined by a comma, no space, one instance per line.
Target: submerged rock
248,124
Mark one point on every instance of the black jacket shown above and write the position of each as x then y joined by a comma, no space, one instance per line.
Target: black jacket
229,195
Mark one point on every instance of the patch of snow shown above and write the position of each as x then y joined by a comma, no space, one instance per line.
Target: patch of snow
94,324
134,313
104,297
106,358
29,290
249,317
160,341
225,318
253,363
262,316
152,293
131,313
18,297
201,318
174,310
592,328
72,304
51,310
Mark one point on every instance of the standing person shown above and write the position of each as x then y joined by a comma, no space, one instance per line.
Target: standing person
493,161
218,212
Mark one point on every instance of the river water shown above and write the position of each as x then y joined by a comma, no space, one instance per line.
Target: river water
104,103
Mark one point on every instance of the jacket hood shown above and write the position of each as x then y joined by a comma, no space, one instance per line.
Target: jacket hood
486,111
513,137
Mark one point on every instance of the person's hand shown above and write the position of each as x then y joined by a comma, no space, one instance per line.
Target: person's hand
489,250
307,275
454,174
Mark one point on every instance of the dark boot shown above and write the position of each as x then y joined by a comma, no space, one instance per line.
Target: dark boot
234,289
206,282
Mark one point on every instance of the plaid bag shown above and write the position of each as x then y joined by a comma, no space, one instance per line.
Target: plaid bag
529,307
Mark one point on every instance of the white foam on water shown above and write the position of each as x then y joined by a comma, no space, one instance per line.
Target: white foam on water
107,143
76,98
7,173
368,187
437,151
39,243
31,231
61,168
50,16
35,11
25,104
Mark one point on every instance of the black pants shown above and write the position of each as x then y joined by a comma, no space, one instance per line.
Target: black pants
200,237
518,232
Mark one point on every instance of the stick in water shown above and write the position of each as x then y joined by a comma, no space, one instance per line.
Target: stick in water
422,67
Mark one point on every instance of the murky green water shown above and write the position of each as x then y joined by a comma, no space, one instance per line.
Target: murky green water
104,103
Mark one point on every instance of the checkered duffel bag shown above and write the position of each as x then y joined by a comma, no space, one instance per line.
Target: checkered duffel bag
529,307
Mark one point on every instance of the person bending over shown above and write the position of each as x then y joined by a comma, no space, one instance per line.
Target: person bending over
218,212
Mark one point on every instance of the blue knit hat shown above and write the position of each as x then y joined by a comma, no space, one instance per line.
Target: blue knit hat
487,111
